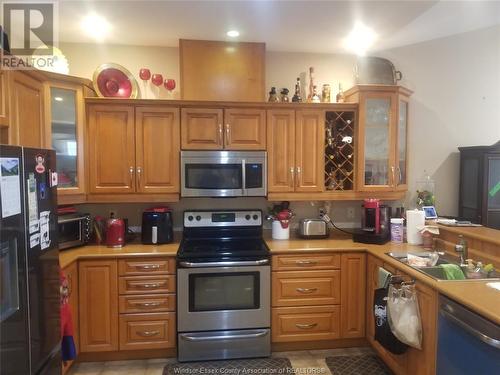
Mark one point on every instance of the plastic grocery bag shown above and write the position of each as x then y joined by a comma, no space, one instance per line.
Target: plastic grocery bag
403,315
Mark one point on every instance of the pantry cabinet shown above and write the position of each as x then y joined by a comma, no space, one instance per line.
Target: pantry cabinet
382,137
223,129
295,150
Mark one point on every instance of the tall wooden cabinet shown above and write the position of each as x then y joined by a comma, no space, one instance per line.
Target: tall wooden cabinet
296,151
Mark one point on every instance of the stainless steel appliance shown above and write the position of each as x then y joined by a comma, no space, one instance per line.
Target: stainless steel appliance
74,230
467,342
30,333
223,173
223,286
313,228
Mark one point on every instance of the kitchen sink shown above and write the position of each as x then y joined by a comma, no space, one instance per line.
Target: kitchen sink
437,272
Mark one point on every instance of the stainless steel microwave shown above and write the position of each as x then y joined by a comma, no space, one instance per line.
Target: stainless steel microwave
74,230
223,173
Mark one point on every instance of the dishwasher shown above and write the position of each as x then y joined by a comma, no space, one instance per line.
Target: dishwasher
467,342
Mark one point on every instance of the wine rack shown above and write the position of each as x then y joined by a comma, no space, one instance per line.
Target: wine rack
339,150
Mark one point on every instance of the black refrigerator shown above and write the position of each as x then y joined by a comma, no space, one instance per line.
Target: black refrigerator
30,328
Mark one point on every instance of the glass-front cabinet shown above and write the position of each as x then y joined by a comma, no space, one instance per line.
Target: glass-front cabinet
382,149
65,111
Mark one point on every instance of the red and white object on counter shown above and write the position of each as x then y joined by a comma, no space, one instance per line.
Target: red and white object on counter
281,225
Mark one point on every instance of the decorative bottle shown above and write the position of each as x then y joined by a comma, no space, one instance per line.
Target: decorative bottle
340,95
296,97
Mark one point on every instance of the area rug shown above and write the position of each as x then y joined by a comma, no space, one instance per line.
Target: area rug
367,364
276,366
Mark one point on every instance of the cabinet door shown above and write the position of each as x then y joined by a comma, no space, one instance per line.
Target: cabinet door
309,150
111,149
280,150
376,170
245,129
470,205
157,149
98,281
353,282
71,273
4,98
27,119
201,129
492,193
401,163
65,114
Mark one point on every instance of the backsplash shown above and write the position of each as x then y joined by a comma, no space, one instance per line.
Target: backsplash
344,213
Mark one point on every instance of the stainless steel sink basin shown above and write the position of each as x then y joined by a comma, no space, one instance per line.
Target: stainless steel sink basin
437,272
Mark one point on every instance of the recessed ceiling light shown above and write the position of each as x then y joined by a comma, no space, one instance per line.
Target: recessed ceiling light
95,26
233,33
58,99
360,39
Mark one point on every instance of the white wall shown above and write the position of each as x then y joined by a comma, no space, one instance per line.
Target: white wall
456,81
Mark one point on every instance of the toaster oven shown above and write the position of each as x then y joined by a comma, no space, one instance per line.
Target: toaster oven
74,230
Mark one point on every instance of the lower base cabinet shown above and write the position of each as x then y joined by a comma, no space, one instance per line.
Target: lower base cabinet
127,304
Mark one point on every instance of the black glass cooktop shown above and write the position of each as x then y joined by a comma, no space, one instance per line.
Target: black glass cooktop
222,249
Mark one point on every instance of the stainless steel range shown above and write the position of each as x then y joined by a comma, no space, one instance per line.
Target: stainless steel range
223,286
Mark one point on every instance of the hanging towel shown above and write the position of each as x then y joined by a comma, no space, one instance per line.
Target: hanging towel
452,272
68,350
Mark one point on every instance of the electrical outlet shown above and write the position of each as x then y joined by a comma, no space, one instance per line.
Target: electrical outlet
350,213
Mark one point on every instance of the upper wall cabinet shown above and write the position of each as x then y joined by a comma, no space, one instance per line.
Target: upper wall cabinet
382,137
218,129
4,98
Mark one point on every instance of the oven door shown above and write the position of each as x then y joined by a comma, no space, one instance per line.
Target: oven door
71,232
223,298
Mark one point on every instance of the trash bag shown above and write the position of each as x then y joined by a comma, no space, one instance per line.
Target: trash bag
403,314
383,333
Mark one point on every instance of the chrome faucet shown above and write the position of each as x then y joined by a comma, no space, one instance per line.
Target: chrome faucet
462,249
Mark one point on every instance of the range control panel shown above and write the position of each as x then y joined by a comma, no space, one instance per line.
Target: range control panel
222,218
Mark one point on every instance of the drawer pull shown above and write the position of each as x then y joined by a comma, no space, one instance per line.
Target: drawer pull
145,286
306,326
148,267
147,305
148,333
306,290
306,262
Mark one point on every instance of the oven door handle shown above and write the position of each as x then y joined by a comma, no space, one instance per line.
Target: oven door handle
244,177
188,337
260,262
62,220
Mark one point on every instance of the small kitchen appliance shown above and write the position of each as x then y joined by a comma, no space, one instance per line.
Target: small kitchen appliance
223,286
157,226
313,228
74,230
375,223
115,232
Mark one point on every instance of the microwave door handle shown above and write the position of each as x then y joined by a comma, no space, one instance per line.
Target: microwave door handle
244,177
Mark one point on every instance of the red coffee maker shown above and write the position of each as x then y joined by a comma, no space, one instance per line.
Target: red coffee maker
375,223
115,232
370,216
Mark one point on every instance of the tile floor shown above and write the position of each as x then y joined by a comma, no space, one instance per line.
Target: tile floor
299,360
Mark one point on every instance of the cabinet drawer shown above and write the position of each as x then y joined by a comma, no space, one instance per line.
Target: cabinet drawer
146,284
147,331
305,262
306,288
146,266
305,323
147,303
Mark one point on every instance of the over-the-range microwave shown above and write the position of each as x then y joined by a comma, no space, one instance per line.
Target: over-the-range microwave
223,173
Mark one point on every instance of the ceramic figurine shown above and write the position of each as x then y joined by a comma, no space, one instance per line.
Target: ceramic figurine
315,97
325,93
296,97
273,96
284,95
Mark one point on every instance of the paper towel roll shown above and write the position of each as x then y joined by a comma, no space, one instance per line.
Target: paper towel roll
414,219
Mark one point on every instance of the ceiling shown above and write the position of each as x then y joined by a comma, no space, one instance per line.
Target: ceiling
294,26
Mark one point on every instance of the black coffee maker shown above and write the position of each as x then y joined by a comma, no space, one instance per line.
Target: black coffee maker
157,226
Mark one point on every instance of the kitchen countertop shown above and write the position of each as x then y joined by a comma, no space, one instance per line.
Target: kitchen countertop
474,294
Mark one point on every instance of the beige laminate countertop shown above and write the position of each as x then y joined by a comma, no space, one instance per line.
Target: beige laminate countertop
474,294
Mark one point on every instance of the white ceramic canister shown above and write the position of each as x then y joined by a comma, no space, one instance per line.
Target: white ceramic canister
278,232
415,219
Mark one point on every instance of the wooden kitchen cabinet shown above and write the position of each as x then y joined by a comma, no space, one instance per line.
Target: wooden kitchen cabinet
157,140
151,331
296,150
111,136
26,110
4,98
382,150
353,281
218,129
98,297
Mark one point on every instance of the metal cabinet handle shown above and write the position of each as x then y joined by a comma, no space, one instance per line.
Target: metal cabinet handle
147,304
148,333
306,326
131,172
306,290
145,286
297,179
221,141
393,176
139,171
148,267
188,337
400,176
306,262
228,134
292,176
